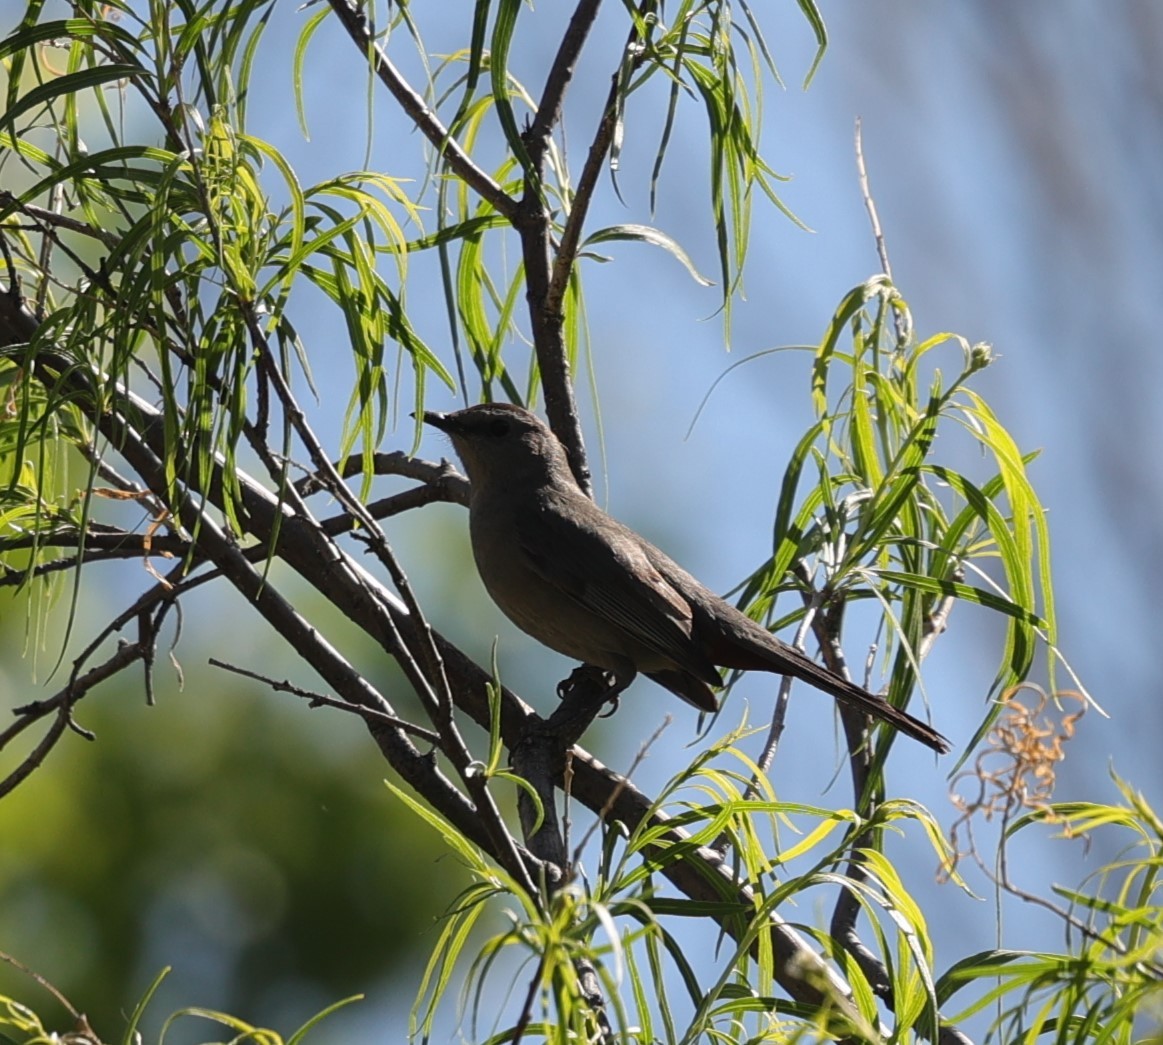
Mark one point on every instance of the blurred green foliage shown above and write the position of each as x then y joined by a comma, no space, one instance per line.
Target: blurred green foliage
226,826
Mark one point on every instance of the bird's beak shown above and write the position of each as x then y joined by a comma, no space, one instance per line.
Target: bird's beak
437,420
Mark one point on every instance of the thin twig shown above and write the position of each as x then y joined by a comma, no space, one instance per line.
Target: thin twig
441,474
62,221
870,203
874,219
62,702
623,781
42,982
526,1014
779,715
321,700
595,158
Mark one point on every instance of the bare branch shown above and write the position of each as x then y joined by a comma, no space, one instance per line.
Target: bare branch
560,75
321,700
546,279
595,159
62,703
60,221
440,474
874,220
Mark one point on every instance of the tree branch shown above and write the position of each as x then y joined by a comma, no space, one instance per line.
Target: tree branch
323,701
560,73
546,280
429,682
579,206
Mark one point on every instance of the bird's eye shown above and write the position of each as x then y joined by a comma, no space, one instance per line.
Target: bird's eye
499,427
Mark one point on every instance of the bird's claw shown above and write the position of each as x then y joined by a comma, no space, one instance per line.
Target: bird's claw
566,687
589,681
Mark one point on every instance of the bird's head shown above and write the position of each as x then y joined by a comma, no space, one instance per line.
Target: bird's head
499,443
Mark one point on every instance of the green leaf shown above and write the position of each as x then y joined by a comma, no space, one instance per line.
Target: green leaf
66,85
939,586
27,37
648,234
503,27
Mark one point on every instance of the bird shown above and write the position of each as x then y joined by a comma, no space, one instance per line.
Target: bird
580,582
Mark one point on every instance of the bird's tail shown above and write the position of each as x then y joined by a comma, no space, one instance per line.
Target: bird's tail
877,707
767,653
731,639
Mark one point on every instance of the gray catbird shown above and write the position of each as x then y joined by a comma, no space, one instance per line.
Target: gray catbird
579,581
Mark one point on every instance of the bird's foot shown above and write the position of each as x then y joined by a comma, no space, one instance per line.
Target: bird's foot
582,696
588,682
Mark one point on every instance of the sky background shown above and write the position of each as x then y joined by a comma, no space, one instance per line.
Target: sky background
1014,153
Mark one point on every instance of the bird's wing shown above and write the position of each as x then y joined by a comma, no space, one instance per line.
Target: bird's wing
610,575
734,640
